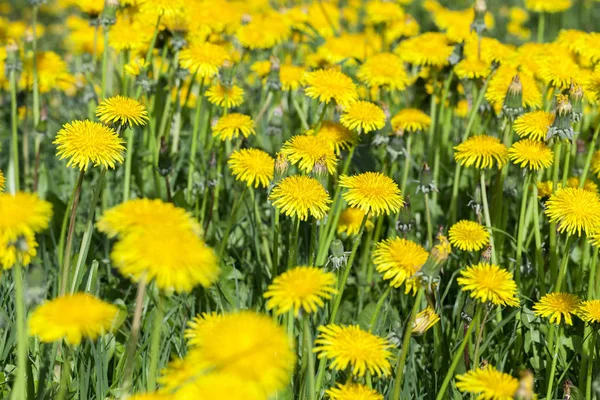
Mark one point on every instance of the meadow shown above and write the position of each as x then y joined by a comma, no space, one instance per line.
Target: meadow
296,199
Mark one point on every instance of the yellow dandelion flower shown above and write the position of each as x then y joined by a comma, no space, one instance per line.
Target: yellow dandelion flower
91,7
72,317
351,346
462,108
264,31
488,282
52,72
531,154
589,311
337,135
382,12
203,59
244,345
544,189
85,142
595,166
175,258
492,50
557,306
291,77
303,288
488,384
231,126
534,125
299,196
428,49
165,8
573,182
353,391
122,110
363,117
399,260
574,210
142,214
384,70
200,324
424,321
481,151
132,36
253,166
500,82
224,97
372,192
218,385
557,70
326,85
442,250
548,6
136,66
472,68
306,151
351,220
410,120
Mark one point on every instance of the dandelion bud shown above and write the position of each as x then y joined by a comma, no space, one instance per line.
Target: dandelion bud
405,222
424,321
109,14
576,99
165,163
338,256
562,121
226,74
273,81
281,165
426,184
478,24
513,102
525,390
320,167
275,127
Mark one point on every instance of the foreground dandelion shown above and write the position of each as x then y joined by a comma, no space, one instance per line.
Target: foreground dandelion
231,126
531,154
307,151
372,192
299,197
557,306
326,85
468,236
410,120
351,346
122,111
589,311
481,151
72,317
574,210
252,166
363,117
488,282
85,142
301,288
399,260
351,220
488,383
354,391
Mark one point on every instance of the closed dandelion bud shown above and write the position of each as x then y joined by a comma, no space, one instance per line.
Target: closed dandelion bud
320,168
424,321
426,185
562,120
12,62
478,24
273,81
513,102
525,390
405,221
281,165
275,127
457,54
226,74
109,14
338,256
165,163
576,99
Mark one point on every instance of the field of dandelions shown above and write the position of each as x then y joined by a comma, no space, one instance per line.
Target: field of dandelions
299,200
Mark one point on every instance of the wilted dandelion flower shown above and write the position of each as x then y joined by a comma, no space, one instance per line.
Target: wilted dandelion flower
410,120
72,317
589,311
531,154
122,110
300,196
226,97
203,59
351,220
326,85
384,70
338,136
253,166
351,346
231,126
353,391
488,282
534,125
85,142
557,306
301,288
398,260
468,236
372,192
472,68
428,49
548,6
575,210
363,117
481,151
306,151
488,384
424,321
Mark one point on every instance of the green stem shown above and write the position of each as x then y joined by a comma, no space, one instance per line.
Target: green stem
105,56
133,336
128,159
313,243
276,236
320,120
18,391
564,263
65,374
311,359
557,344
428,219
541,27
155,344
64,283
553,235
194,144
539,257
236,206
380,302
521,229
293,251
566,171
406,345
457,355
407,155
486,214
590,367
14,125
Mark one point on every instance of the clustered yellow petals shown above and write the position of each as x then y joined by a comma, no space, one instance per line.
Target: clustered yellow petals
558,306
482,152
373,193
299,197
488,282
